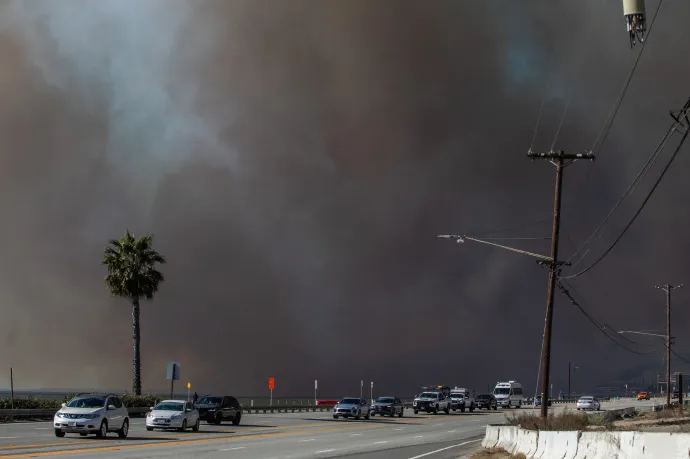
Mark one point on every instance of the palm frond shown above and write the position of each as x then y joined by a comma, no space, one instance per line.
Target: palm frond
131,264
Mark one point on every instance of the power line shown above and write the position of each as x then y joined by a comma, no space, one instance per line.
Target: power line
606,326
594,322
631,188
682,114
585,54
606,128
680,356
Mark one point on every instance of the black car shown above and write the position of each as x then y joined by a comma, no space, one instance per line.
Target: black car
387,406
486,401
537,401
216,409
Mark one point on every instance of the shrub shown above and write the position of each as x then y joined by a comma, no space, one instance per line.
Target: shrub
28,403
566,420
140,401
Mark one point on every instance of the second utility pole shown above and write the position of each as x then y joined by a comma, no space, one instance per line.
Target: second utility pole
560,159
667,288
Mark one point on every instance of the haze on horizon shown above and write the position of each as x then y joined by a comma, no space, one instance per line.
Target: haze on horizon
295,163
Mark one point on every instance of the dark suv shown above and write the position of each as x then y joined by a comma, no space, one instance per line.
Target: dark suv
216,409
389,406
486,401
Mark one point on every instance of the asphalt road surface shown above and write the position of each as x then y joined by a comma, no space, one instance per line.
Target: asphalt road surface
269,436
278,436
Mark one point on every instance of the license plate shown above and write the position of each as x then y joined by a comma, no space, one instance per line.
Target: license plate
72,423
159,421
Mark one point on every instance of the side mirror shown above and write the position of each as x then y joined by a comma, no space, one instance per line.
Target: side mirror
188,410
150,408
64,405
111,407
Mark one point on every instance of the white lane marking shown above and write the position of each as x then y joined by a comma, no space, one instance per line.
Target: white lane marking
446,448
400,428
232,449
324,451
419,436
452,431
6,438
355,435
309,439
381,442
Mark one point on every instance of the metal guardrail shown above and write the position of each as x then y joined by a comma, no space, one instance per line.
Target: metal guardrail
44,413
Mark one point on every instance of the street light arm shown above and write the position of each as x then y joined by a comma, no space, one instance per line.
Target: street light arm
642,333
461,238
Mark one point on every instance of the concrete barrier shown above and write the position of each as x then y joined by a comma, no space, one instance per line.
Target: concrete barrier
587,445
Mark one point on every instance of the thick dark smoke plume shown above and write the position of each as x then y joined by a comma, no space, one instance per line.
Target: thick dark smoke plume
295,160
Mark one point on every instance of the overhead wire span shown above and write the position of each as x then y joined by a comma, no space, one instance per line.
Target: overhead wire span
605,326
606,128
631,188
680,356
684,113
585,55
594,322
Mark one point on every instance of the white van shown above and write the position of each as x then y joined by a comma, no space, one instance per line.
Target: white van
508,394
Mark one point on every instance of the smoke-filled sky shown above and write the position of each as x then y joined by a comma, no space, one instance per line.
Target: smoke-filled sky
295,161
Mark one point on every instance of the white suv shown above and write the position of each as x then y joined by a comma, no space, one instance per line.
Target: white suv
92,413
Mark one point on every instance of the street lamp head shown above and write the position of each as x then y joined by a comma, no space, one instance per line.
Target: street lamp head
457,237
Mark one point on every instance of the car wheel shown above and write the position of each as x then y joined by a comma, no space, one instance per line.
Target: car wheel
184,426
59,433
103,430
124,430
392,413
471,408
217,420
447,410
401,412
462,410
195,428
368,416
236,419
335,416
83,434
495,407
149,428
415,412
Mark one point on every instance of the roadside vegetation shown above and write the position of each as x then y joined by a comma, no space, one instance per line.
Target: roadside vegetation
496,453
565,420
34,403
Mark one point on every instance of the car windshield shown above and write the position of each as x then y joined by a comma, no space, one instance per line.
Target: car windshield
502,391
350,401
385,400
456,395
586,399
428,395
168,406
87,402
210,400
483,396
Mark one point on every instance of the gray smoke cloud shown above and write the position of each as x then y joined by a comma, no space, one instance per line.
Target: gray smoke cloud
295,161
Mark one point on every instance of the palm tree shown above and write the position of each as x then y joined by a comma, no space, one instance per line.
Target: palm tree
132,274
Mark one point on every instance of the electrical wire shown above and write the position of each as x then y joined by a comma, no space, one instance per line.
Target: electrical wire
517,238
606,326
594,322
585,55
679,356
631,188
606,128
639,211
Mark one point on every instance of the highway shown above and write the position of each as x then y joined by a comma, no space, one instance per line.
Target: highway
276,436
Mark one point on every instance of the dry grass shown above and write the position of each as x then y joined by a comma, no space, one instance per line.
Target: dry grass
496,453
565,420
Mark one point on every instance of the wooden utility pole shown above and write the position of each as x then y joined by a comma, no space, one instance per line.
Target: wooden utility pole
667,288
561,160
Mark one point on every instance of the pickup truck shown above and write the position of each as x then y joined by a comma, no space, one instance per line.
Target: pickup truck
431,402
461,400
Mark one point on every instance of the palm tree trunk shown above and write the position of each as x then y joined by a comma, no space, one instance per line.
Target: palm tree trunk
136,340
